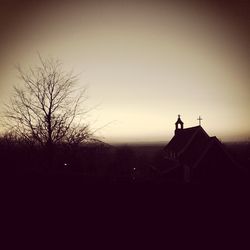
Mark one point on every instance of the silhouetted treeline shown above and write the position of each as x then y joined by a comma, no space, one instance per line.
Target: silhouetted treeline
90,160
93,161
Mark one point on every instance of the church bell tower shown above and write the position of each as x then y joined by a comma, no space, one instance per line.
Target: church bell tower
178,125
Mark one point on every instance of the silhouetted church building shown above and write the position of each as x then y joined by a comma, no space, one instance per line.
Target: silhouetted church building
193,156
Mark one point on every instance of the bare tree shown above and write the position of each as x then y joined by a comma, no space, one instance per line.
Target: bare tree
47,108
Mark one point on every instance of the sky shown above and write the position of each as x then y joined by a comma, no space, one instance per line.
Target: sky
143,62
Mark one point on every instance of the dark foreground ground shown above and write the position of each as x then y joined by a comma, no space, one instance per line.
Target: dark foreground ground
98,197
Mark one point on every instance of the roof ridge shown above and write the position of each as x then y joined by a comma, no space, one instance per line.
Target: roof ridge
189,142
216,140
204,152
191,127
213,140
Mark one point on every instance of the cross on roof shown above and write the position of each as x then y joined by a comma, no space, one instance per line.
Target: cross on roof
199,119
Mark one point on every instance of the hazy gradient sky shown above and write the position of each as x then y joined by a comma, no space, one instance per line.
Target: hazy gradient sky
144,62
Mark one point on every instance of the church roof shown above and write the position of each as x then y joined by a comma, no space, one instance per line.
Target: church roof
183,138
192,144
193,154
